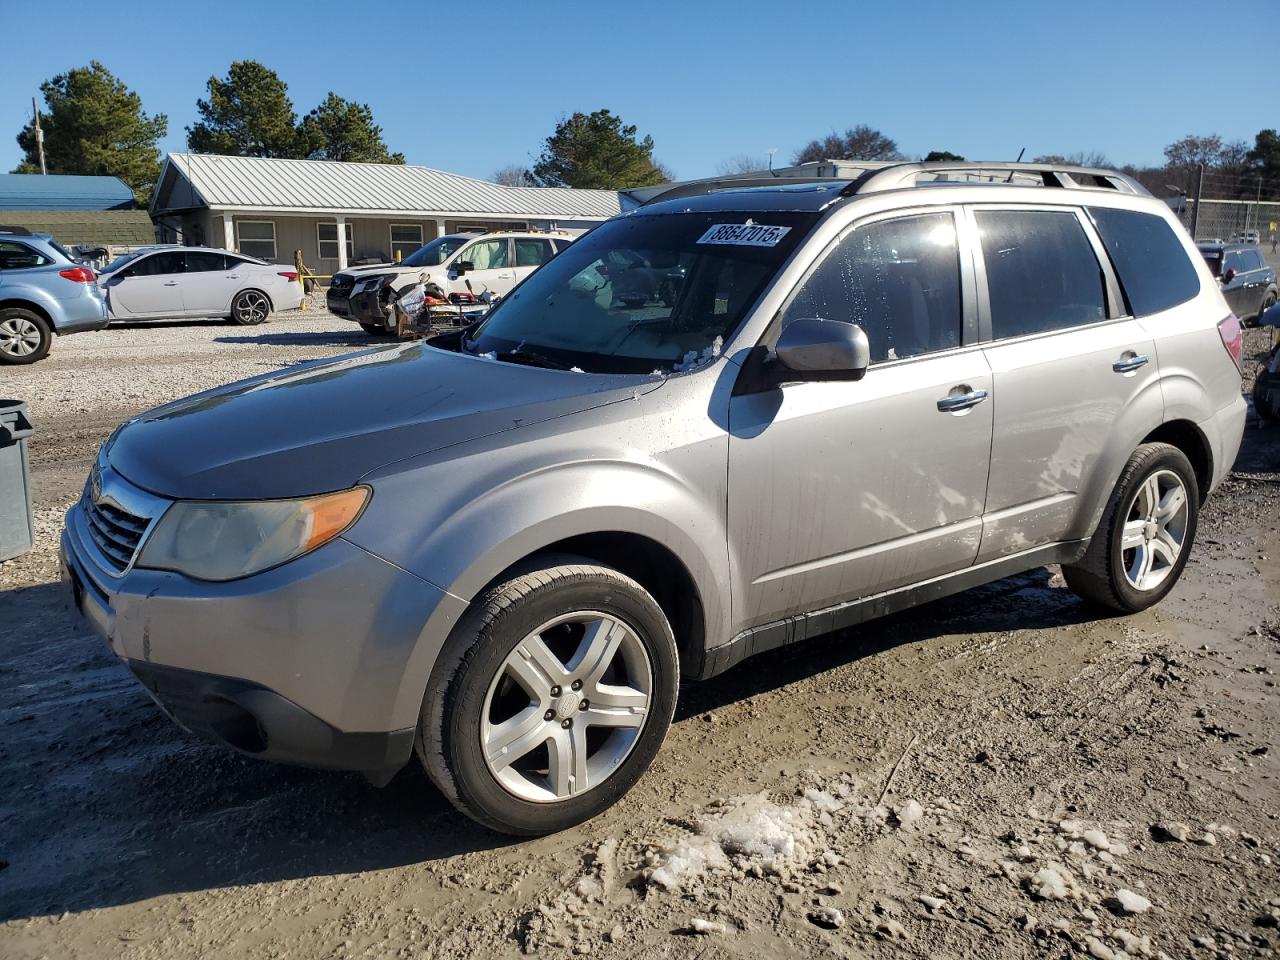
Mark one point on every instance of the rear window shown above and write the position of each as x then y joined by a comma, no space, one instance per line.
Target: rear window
1153,266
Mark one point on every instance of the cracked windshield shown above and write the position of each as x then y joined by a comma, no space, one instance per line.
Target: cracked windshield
650,293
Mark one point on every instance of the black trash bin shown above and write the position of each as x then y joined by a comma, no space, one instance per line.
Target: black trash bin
17,525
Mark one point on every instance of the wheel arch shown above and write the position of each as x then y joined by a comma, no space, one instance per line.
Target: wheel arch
651,564
1190,439
17,303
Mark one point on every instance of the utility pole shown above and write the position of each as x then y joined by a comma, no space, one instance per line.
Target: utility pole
1195,210
39,136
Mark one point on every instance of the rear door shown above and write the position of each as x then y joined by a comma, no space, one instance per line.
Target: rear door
1236,290
207,284
149,287
531,253
1066,360
491,267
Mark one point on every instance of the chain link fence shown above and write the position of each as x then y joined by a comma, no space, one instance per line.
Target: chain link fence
1234,220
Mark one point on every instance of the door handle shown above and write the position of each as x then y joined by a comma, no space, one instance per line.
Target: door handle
956,403
233,276
1130,363
171,283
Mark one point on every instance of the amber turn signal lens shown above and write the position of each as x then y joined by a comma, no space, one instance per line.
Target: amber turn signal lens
332,513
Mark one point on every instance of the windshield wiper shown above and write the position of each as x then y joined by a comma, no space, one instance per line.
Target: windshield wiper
532,358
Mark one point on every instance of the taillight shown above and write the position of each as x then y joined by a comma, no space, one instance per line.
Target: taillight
289,275
78,274
1232,339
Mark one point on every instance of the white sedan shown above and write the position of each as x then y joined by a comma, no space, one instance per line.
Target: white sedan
172,282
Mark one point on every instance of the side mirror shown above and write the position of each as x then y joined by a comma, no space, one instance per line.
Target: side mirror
1229,275
816,349
462,266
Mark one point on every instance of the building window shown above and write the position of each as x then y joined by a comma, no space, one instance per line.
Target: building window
405,238
327,241
257,238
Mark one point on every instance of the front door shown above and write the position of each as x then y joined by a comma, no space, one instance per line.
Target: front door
1066,364
842,490
491,268
149,287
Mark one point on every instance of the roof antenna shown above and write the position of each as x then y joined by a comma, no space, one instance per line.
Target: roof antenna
1019,160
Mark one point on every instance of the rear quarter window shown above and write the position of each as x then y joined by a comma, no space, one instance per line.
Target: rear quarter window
1154,268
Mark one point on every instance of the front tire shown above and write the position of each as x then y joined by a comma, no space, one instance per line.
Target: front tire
550,698
373,330
25,337
250,308
1144,537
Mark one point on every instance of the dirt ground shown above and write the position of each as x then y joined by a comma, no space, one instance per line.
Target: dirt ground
1000,774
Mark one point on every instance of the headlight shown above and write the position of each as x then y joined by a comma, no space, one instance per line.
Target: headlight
214,540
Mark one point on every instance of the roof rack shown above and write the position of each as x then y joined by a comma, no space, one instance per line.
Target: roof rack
898,176
901,175
15,231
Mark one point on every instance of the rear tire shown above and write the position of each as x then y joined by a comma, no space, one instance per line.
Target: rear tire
250,308
550,699
1144,537
25,336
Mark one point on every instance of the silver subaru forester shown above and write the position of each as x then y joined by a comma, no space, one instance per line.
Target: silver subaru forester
728,421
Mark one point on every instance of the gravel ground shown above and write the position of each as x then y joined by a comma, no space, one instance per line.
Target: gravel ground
1000,774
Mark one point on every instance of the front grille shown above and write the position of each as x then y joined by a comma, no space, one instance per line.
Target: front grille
116,532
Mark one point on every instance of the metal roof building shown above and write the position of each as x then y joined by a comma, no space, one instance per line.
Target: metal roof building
336,213
34,191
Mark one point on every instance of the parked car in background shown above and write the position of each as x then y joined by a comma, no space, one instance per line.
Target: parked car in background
777,412
175,282
1248,282
461,266
44,293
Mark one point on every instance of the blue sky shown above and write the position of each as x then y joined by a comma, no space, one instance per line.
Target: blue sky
471,91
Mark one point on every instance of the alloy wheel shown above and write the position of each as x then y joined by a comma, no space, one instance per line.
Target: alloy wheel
251,307
19,337
1154,531
566,707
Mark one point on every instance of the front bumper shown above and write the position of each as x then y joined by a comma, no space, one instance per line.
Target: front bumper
338,303
316,662
367,308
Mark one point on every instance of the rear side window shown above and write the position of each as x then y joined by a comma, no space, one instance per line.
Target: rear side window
1154,269
18,256
898,279
1041,272
532,253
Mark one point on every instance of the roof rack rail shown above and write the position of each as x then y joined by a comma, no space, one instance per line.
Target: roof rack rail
15,231
902,175
897,176
698,188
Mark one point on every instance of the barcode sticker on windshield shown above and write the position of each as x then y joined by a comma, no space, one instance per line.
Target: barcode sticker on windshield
745,234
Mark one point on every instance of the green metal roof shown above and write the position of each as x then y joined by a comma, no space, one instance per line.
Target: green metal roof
90,227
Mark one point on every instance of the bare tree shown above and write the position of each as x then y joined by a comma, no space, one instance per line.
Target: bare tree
512,175
1191,151
1081,158
741,163
858,143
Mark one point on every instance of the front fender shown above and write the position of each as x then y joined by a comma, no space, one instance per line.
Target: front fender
465,544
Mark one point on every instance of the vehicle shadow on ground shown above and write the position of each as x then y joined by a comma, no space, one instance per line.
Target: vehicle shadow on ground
321,338
114,804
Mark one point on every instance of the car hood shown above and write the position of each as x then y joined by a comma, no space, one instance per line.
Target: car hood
371,270
323,426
